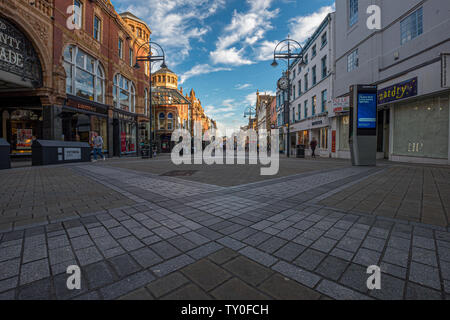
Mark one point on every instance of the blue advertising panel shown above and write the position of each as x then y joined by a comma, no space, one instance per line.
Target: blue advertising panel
367,111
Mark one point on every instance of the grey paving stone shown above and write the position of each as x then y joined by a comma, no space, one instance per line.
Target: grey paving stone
182,243
98,232
366,257
204,250
124,265
165,250
248,271
272,244
163,286
164,232
119,232
424,256
332,268
38,290
231,243
262,225
289,233
34,271
310,259
300,275
324,244
422,242
349,244
181,230
111,223
58,242
257,238
242,234
34,241
425,275
258,256
445,270
373,243
222,256
8,284
81,242
151,240
356,233
172,265
313,234
391,288
206,274
208,233
88,255
282,288
190,292
105,243
196,238
130,224
60,255
355,277
418,292
13,235
61,290
76,232
127,285
98,275
379,233
344,225
113,252
146,257
399,243
62,267
10,252
141,232
396,256
130,243
282,225
137,295
339,292
290,251
394,270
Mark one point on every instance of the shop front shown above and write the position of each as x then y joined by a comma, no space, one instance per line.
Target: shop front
21,111
340,125
83,120
125,134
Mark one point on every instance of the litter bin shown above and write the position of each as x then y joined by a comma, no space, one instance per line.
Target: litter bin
145,151
5,161
301,151
46,152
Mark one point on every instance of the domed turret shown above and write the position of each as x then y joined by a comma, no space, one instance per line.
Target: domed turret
166,78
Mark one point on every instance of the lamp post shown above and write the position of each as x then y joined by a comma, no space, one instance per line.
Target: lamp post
287,49
150,58
249,112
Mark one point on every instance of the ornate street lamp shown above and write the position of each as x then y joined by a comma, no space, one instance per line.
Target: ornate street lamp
287,49
150,58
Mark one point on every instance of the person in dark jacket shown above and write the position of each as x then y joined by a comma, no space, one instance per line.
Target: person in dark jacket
313,145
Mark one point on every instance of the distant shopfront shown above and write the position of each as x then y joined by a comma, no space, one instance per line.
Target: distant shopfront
125,133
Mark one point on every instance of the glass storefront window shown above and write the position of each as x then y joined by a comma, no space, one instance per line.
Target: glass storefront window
344,126
99,126
303,138
323,140
25,126
421,128
128,137
84,75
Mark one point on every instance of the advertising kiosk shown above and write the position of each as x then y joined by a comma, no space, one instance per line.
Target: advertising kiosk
363,125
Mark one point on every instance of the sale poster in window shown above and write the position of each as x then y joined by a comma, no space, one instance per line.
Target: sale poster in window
24,139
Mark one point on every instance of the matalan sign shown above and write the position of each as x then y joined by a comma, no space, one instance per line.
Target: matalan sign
445,70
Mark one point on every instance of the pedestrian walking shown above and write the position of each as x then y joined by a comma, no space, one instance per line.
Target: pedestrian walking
313,145
98,147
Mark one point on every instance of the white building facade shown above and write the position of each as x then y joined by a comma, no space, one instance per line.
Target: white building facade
404,59
311,91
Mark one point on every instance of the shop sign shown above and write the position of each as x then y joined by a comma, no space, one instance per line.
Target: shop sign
341,104
398,91
87,107
72,154
17,54
317,123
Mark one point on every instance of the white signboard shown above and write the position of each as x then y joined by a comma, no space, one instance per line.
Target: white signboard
72,154
445,70
341,104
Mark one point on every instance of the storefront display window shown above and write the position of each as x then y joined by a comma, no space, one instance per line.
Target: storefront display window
323,139
127,137
421,128
344,126
85,77
303,138
25,125
82,127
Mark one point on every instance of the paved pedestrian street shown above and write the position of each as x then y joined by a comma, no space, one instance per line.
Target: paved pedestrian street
146,229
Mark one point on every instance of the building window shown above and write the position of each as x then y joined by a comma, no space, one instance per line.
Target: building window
313,105
146,102
170,121
324,40
352,61
162,120
324,100
353,12
124,93
306,82
299,88
293,76
412,26
324,67
305,107
97,28
78,13
299,69
131,57
120,48
314,51
85,77
314,76
299,110
293,92
306,59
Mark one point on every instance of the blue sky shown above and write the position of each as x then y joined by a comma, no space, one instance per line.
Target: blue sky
223,48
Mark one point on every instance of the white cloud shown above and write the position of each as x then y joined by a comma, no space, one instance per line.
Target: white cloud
243,86
302,27
174,23
265,50
250,99
199,70
244,31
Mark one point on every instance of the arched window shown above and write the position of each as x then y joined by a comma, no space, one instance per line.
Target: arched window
146,101
162,119
170,121
124,93
85,76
